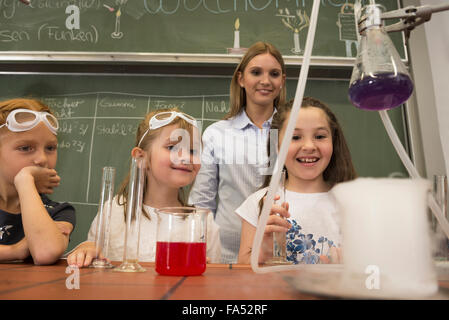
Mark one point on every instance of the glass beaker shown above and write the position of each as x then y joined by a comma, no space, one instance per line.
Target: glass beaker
181,241
379,79
385,228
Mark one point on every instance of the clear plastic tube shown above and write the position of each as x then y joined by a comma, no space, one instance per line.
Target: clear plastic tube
411,169
274,184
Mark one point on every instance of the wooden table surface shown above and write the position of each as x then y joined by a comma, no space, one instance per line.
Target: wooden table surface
26,281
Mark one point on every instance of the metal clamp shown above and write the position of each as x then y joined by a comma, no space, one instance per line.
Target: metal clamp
411,17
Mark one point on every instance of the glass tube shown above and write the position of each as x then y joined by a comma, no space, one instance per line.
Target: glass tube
279,238
440,191
104,218
133,213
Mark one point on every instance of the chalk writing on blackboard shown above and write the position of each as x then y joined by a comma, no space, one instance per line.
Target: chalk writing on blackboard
94,126
55,33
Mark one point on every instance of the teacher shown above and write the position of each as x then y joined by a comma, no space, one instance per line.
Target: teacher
234,160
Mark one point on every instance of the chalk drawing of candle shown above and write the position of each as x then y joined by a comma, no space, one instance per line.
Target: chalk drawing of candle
117,34
237,34
296,23
236,49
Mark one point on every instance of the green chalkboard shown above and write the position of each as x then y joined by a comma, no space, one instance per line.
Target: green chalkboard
99,116
179,26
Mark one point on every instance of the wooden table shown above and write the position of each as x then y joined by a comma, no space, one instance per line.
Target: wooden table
26,281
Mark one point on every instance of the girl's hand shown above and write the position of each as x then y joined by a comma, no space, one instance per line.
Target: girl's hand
335,256
83,255
277,219
44,179
276,223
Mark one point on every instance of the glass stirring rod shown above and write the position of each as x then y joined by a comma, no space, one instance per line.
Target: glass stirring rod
279,238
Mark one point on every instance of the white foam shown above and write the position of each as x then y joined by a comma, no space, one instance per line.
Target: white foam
384,224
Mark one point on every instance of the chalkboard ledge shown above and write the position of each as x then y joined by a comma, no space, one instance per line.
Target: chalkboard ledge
157,58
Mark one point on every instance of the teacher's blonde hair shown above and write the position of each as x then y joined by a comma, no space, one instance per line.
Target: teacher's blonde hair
237,93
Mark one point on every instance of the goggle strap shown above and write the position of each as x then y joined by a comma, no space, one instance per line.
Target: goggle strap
141,139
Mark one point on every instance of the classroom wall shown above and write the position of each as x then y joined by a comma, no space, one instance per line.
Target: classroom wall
429,117
437,32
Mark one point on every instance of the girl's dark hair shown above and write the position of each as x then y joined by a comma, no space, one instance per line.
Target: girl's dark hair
340,167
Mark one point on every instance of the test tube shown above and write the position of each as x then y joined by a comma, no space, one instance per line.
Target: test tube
133,212
104,218
279,238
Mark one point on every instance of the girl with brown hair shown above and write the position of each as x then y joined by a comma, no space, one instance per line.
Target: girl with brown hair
318,158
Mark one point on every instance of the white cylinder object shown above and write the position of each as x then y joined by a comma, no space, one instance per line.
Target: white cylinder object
385,229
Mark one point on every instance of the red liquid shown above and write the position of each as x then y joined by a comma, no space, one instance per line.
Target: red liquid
180,258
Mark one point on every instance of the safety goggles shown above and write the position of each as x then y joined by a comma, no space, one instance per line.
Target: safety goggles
24,119
162,119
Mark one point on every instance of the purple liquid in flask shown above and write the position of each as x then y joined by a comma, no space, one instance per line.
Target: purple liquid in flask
383,91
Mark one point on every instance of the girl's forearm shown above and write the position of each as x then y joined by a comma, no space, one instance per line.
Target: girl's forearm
45,240
16,251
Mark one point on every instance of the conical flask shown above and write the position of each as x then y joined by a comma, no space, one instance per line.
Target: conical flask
379,79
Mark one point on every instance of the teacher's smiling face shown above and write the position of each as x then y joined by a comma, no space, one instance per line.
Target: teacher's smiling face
262,80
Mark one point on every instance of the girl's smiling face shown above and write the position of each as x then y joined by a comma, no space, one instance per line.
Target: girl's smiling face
311,148
35,147
174,162
262,80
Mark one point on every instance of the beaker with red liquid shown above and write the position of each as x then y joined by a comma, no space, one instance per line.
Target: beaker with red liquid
181,241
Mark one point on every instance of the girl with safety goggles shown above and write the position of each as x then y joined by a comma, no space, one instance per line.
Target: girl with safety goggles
28,155
170,141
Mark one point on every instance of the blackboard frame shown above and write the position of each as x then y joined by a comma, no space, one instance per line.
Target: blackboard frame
135,57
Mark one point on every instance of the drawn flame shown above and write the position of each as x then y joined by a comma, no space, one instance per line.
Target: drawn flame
237,24
119,13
